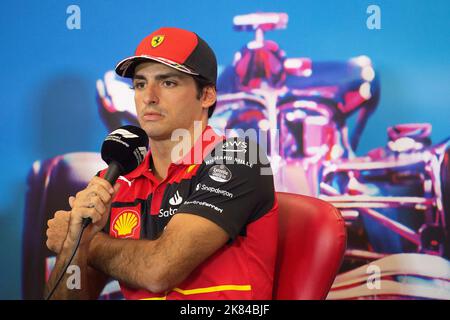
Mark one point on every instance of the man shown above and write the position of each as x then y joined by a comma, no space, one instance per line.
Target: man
180,226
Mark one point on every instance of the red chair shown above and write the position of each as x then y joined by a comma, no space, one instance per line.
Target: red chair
312,241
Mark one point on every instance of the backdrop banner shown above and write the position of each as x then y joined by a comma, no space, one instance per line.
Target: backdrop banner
349,98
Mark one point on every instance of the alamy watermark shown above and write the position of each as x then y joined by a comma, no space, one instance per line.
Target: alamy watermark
74,280
73,21
249,148
373,21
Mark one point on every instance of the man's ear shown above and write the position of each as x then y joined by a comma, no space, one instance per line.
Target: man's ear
209,96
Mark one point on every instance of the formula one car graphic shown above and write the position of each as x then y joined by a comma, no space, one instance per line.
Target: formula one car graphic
398,194
310,116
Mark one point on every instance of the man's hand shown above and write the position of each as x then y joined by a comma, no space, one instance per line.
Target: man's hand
93,202
57,230
63,231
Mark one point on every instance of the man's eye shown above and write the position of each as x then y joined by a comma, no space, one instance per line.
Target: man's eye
138,85
168,83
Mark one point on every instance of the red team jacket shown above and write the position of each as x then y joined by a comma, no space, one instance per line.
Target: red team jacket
227,182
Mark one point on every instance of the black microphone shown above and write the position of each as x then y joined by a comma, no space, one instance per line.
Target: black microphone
123,150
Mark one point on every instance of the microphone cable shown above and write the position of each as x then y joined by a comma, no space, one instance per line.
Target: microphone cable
86,222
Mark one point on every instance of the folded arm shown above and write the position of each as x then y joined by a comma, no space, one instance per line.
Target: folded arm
158,265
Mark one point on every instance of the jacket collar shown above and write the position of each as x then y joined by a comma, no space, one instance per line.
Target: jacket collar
201,148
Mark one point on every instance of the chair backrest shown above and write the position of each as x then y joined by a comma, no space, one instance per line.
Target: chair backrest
312,242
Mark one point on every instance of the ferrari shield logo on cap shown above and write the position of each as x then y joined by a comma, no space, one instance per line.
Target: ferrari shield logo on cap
157,40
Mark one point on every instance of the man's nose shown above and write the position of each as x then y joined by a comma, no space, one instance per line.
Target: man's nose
151,95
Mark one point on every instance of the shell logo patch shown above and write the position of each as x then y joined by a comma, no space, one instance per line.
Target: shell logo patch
126,223
157,40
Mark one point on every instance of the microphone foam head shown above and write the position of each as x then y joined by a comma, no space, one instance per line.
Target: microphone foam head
127,146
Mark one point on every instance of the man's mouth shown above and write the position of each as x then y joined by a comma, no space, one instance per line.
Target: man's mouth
152,116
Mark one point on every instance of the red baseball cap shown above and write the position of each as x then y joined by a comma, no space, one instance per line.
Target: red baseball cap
177,48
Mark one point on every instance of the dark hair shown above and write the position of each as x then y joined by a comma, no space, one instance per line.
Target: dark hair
202,83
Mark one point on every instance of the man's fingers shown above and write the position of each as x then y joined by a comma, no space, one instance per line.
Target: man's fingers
87,213
85,197
102,182
71,201
93,202
99,190
61,214
95,215
98,187
98,204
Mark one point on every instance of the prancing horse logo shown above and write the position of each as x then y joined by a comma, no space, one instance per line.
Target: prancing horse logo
157,40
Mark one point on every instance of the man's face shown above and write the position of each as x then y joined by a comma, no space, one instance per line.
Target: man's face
166,99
